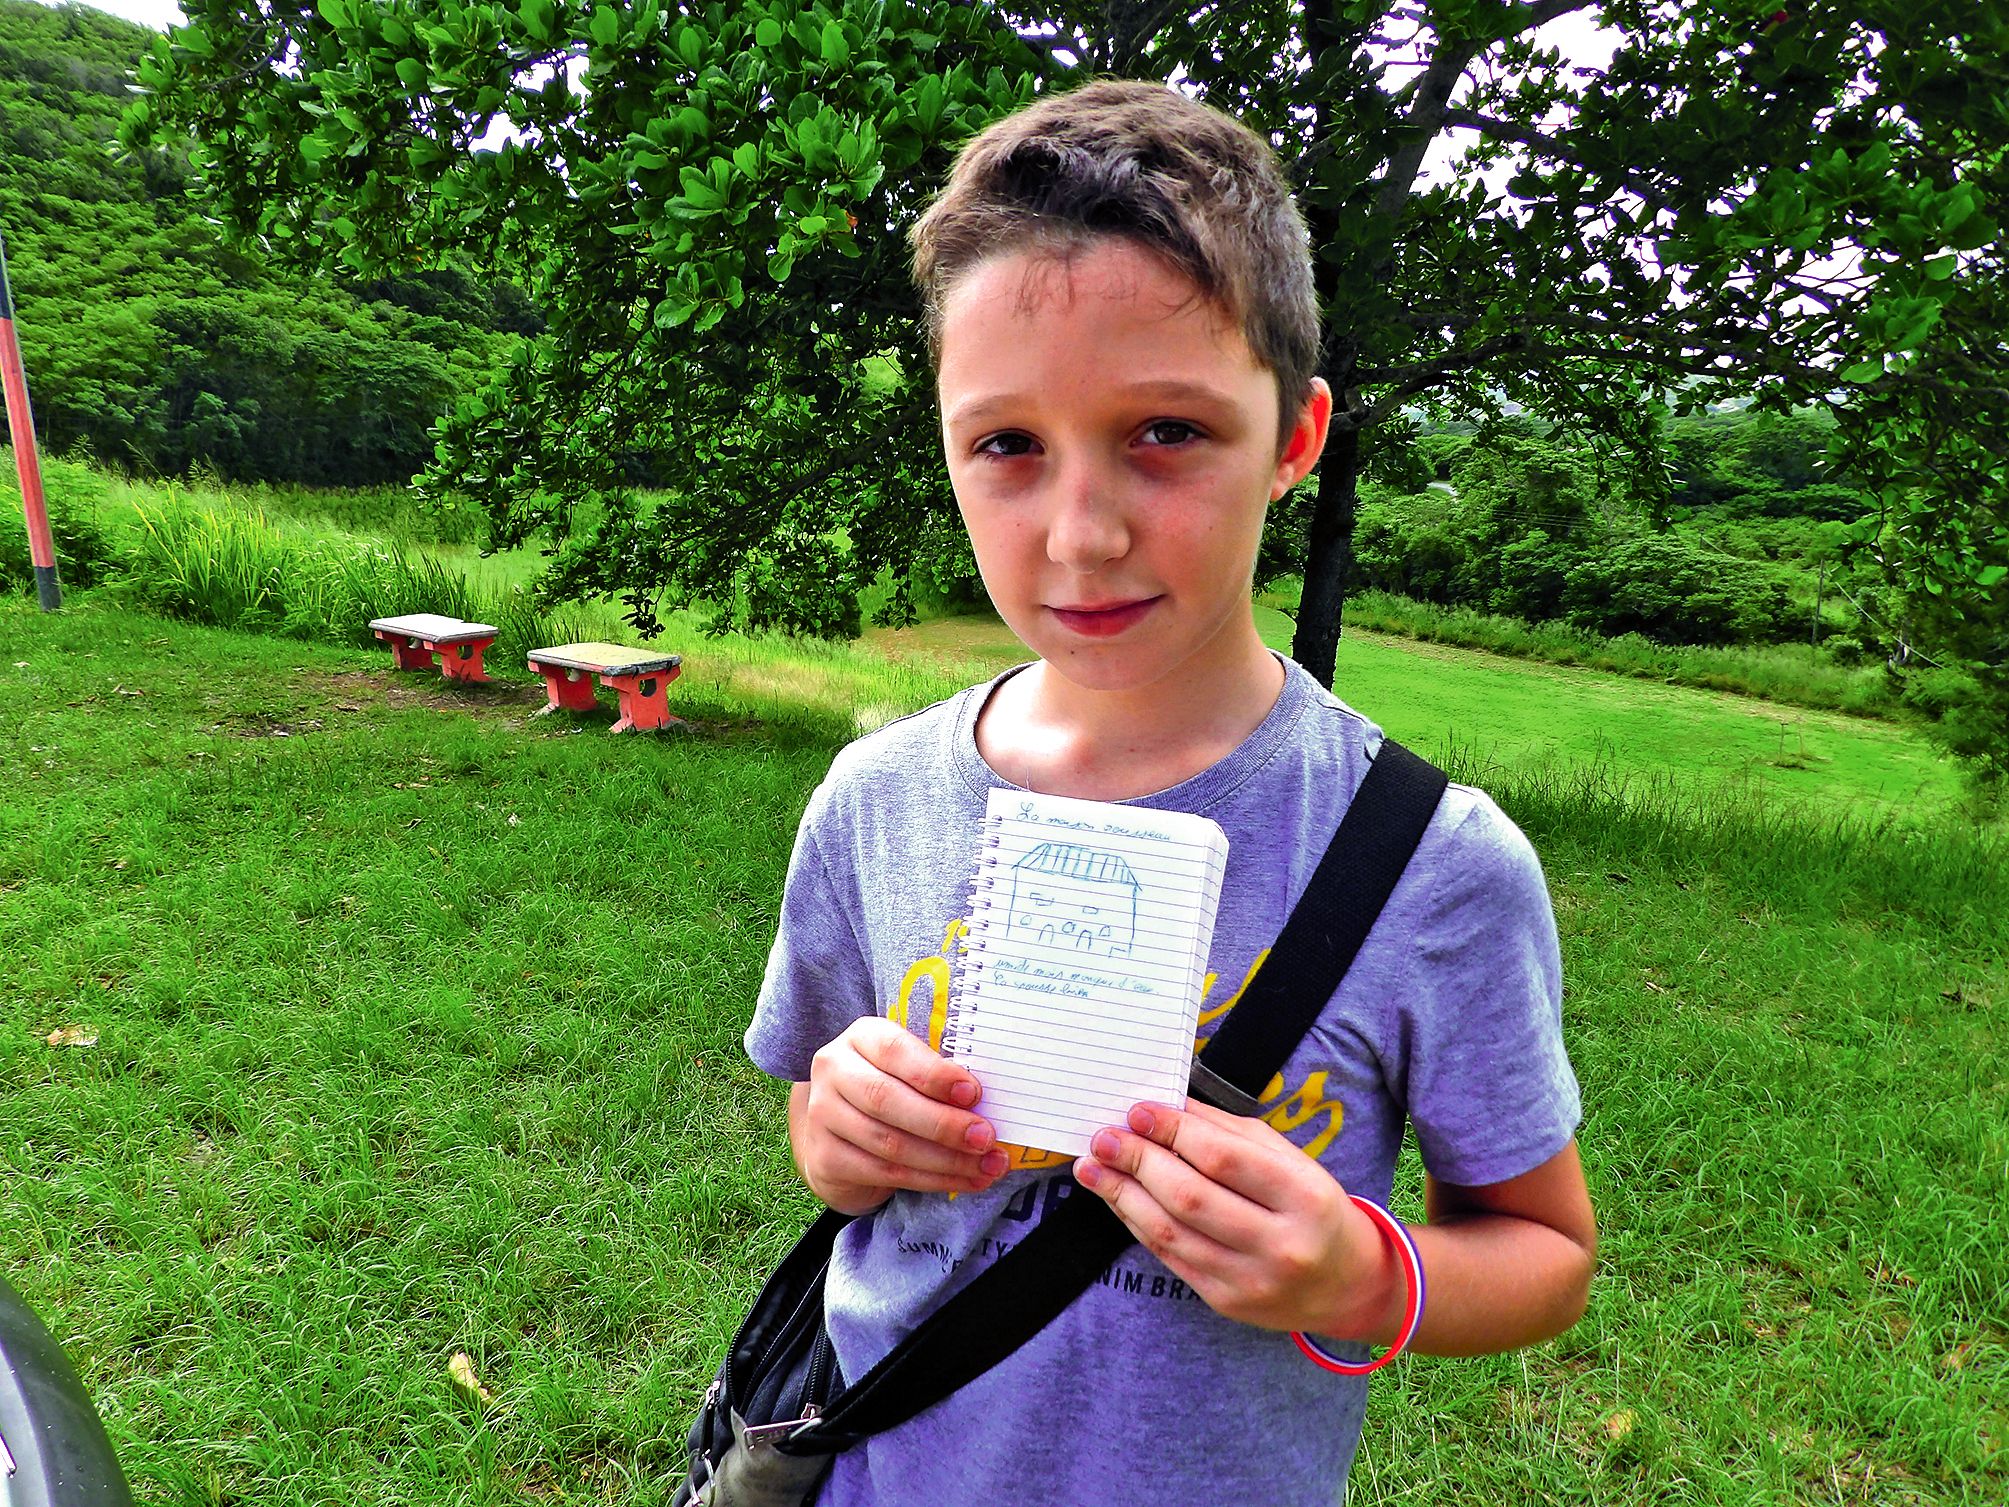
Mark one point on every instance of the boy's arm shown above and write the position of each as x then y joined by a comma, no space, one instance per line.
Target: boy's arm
1508,1265
1266,1236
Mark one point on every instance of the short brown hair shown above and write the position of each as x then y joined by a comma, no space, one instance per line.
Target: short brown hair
1148,164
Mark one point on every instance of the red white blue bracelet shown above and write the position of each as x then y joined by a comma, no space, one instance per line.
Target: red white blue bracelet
1412,1313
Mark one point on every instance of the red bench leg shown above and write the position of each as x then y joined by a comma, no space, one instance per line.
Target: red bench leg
645,699
409,653
571,689
463,661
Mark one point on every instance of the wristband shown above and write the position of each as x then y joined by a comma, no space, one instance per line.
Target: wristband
1412,1313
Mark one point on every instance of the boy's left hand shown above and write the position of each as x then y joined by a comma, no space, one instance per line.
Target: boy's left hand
1259,1230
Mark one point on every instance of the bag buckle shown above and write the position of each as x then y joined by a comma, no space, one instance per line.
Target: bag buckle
766,1435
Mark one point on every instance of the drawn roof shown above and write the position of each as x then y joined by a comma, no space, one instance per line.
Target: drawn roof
1075,861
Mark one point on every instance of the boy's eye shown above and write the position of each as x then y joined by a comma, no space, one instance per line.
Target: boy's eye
1170,432
1005,445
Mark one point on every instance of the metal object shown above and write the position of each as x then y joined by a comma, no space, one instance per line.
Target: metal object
53,1447
21,425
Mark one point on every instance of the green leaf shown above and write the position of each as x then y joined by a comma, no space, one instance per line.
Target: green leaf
605,27
411,73
1864,371
336,12
746,157
836,50
698,189
779,265
767,33
672,311
1990,576
539,19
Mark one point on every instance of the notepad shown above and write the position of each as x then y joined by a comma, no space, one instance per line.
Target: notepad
1079,994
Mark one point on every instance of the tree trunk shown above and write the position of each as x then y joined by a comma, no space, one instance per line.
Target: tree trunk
1328,565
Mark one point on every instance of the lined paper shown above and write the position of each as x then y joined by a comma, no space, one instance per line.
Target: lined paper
1080,993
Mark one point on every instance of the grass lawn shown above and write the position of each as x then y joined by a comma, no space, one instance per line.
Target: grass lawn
1521,715
414,1030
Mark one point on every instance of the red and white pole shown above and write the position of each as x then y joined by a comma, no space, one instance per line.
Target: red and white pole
21,425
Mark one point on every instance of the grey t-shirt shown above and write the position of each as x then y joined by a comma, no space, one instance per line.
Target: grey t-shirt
1139,1393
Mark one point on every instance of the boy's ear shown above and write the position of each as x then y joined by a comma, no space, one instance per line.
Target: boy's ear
1307,439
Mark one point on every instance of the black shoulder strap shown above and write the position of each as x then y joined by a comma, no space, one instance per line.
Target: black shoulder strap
1376,839
1074,1243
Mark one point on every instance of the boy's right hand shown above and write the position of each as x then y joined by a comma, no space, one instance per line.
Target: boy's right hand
884,1111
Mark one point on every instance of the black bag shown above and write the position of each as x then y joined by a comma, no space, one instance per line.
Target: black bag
778,1412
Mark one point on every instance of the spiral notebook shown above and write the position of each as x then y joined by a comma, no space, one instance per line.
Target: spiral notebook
1079,995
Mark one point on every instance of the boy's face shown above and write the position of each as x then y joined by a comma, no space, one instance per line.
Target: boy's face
1113,448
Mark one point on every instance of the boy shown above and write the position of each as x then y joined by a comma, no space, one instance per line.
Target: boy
1121,311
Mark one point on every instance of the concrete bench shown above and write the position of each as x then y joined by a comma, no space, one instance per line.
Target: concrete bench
642,678
417,636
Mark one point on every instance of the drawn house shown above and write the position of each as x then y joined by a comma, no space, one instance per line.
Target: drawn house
1070,895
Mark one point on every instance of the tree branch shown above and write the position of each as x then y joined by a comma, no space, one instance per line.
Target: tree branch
1556,147
1420,126
1541,12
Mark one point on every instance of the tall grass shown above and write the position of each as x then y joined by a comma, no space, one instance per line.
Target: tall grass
231,569
1953,875
1773,672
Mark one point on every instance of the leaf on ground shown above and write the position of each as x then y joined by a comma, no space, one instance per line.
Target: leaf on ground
460,1371
1618,1426
73,1036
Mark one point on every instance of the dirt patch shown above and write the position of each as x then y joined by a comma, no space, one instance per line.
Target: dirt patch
252,725
357,691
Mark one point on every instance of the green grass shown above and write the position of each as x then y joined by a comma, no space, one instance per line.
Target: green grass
1503,715
1792,674
417,1032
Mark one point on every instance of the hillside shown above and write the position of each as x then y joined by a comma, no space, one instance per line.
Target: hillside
153,344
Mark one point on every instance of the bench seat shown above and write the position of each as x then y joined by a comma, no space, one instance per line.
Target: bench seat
416,637
641,677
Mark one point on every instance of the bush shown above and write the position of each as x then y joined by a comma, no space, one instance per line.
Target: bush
74,494
238,570
1664,588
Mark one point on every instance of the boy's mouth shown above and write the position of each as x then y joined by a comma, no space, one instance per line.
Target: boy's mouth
1103,619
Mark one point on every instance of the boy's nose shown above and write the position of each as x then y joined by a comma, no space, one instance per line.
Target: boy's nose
1087,528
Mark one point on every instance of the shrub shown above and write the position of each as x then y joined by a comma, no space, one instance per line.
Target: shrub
238,570
1666,589
75,495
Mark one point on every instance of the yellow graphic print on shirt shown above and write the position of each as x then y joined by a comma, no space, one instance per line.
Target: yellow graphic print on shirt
1307,1105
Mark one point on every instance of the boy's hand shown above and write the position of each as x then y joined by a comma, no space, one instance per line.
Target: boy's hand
1258,1229
883,1111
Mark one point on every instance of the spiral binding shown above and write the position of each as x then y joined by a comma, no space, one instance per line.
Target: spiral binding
981,903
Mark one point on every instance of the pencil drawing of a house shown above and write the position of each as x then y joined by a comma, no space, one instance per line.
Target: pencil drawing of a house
1072,895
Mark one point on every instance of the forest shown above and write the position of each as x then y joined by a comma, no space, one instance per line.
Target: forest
155,345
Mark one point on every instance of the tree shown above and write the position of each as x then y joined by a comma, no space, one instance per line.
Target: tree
1793,205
